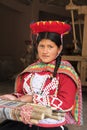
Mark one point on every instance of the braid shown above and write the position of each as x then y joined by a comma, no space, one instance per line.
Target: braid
57,64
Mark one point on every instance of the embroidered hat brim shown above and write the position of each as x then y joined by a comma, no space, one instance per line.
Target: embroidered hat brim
50,26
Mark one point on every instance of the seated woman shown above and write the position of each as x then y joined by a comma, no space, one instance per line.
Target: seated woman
50,81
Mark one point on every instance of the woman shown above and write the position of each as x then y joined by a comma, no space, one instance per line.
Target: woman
50,81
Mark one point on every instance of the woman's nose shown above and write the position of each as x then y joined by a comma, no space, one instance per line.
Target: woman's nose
45,50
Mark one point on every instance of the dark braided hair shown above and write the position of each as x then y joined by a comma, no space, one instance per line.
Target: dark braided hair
56,38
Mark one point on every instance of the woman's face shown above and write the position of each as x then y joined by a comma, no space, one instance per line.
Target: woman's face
48,50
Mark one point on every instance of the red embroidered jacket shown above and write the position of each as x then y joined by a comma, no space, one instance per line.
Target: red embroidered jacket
61,96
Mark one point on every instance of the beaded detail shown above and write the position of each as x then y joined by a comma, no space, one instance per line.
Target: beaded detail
34,87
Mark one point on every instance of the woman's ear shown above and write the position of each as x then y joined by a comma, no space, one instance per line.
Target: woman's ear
60,49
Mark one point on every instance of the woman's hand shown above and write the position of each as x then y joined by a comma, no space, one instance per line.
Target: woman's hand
8,97
26,98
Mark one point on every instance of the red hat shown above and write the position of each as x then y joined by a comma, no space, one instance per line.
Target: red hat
50,26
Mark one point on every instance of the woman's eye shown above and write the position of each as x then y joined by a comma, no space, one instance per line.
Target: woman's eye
50,46
41,46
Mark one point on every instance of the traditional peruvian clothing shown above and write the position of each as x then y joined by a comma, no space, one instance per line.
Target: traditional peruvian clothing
62,92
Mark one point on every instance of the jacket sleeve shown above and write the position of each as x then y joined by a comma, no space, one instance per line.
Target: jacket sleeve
65,97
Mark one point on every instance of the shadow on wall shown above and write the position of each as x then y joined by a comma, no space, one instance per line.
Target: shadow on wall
9,68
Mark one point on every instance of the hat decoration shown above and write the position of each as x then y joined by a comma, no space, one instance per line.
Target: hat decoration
50,26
